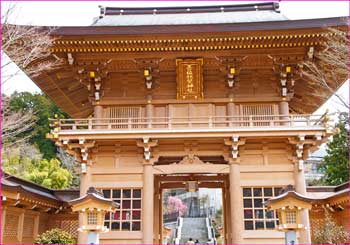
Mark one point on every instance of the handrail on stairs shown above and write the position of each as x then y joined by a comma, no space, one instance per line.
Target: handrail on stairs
178,229
211,231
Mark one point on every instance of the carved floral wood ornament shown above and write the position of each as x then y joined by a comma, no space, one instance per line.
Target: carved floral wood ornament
191,159
189,78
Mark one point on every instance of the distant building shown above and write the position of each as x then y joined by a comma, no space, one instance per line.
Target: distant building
311,169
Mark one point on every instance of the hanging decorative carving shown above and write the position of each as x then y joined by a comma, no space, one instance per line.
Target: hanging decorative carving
191,159
189,78
93,76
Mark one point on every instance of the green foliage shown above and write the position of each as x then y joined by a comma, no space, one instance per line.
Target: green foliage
336,163
218,224
48,173
55,236
43,109
327,231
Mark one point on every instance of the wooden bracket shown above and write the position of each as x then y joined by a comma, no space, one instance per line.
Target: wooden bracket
235,142
146,143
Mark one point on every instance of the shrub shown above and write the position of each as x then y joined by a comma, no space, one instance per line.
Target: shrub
327,231
55,236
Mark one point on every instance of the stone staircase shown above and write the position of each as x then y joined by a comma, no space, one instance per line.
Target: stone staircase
194,228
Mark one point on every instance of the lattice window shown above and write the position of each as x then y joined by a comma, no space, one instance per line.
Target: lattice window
70,226
92,218
28,227
128,216
123,115
11,225
256,215
257,113
291,216
56,223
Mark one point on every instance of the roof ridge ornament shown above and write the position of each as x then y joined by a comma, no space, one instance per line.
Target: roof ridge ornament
262,6
93,190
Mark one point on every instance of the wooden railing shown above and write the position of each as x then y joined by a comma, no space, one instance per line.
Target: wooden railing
188,123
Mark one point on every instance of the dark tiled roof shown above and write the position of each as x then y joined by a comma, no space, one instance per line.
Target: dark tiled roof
13,182
337,188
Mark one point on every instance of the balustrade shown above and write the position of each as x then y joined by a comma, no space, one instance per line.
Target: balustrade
205,122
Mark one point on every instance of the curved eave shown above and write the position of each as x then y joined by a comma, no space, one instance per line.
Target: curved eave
313,201
93,197
31,195
200,28
59,93
290,194
72,97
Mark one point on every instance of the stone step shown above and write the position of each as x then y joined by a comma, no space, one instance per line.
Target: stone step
194,228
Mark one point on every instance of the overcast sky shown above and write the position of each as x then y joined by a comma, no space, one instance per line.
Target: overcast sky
72,13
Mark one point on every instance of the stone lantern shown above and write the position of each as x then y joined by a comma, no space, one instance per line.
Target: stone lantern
288,207
93,207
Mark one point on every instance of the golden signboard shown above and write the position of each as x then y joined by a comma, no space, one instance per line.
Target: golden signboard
189,78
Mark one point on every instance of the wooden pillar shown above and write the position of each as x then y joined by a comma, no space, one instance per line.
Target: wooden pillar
85,182
3,221
36,226
157,214
20,226
98,113
230,109
236,198
300,187
231,113
227,212
147,204
149,111
283,111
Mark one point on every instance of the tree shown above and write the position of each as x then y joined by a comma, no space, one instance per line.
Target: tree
175,204
326,231
14,123
68,162
336,163
26,162
329,66
29,48
41,108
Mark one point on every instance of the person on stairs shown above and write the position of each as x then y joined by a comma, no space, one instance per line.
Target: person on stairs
190,241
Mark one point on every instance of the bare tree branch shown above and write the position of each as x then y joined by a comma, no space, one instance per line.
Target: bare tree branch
27,46
329,67
14,123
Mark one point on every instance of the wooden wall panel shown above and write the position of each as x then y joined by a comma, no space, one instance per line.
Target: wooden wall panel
128,82
252,159
43,223
160,112
116,181
264,179
105,162
131,161
276,159
180,111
